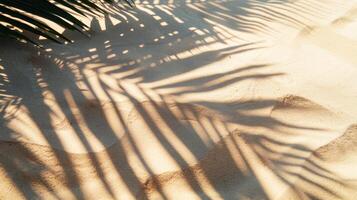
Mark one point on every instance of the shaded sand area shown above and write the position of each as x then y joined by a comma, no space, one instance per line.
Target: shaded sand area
186,99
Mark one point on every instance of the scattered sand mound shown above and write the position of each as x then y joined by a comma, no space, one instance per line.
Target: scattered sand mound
347,19
35,171
292,102
340,148
221,174
330,170
305,112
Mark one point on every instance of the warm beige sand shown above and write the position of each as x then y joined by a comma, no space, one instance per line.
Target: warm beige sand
187,99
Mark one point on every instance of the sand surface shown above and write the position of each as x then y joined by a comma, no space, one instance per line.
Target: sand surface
186,99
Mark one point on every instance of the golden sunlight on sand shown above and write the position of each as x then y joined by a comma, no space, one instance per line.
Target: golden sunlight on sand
186,99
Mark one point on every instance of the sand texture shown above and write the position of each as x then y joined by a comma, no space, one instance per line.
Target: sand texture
186,99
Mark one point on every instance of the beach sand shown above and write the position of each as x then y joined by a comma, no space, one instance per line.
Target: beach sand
186,99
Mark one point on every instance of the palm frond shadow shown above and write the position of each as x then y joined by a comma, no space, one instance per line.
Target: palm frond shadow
107,90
